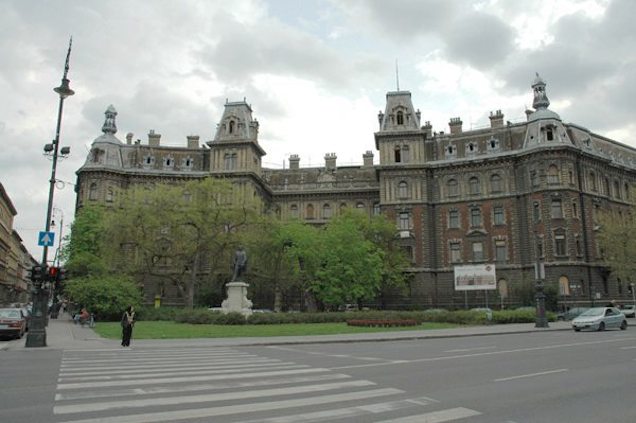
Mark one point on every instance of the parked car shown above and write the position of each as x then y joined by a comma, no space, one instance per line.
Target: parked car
571,313
600,318
629,310
13,322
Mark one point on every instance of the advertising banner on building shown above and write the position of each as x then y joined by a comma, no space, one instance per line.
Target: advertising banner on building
475,277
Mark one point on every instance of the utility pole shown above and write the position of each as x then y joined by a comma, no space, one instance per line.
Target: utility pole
41,285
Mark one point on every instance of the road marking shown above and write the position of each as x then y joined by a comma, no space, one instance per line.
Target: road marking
329,355
453,357
471,349
547,372
189,379
194,399
437,416
628,348
202,413
127,392
348,412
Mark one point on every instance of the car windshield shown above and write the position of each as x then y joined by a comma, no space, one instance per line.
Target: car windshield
599,311
10,314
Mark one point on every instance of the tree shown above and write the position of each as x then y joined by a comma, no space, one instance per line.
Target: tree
283,254
351,264
184,234
82,252
617,241
106,296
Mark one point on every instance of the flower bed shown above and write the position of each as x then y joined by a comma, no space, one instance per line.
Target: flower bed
382,322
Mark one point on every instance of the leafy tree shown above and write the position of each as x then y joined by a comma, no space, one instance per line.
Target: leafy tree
351,264
617,241
106,296
81,253
283,254
184,234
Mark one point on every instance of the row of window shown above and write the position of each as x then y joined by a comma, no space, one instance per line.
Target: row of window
169,162
477,251
476,220
326,210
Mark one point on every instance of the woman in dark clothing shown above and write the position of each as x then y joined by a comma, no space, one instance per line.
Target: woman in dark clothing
127,323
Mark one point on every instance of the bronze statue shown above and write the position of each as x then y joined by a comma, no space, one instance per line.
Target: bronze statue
240,263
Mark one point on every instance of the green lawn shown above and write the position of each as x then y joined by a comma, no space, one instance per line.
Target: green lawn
173,330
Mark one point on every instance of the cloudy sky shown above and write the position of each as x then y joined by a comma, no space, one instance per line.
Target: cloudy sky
315,72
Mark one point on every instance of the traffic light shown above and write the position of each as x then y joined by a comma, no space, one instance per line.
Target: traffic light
61,274
52,274
36,273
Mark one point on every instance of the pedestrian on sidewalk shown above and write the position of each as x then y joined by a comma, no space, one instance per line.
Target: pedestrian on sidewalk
127,323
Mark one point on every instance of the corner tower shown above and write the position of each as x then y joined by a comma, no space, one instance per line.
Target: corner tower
400,139
235,146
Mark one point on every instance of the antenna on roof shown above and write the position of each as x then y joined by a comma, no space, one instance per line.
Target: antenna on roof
397,75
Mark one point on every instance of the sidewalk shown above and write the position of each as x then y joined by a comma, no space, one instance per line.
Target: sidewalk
62,333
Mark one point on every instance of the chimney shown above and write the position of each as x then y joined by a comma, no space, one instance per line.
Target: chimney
193,141
153,139
496,119
294,161
129,137
428,129
528,113
455,125
330,161
367,159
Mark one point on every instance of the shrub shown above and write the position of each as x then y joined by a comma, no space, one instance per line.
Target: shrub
382,322
106,296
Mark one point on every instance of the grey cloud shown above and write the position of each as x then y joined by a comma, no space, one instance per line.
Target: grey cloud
479,39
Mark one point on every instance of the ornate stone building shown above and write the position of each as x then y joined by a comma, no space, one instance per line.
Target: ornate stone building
512,194
15,260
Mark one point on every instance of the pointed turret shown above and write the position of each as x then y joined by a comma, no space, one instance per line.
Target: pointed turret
400,139
399,113
106,149
235,146
544,125
110,127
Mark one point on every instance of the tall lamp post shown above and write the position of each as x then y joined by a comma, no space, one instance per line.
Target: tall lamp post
37,333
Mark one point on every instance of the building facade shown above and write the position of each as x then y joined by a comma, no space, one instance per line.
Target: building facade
15,260
520,195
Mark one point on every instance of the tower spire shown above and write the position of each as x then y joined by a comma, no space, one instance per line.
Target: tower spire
397,75
68,56
540,97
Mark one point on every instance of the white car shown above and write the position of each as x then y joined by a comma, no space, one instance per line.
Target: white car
629,310
600,318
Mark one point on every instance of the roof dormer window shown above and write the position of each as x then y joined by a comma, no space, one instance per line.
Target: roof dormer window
397,154
400,118
231,127
549,135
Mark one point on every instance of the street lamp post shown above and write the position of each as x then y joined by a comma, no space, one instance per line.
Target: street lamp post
37,333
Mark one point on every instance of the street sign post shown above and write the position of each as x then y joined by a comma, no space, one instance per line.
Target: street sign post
46,239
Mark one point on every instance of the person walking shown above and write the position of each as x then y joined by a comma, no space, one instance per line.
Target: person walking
127,323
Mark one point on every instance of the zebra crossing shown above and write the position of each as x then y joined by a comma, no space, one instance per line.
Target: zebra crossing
223,384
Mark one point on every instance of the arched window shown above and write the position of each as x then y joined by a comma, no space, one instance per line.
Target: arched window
495,183
592,181
109,194
626,191
617,189
326,211
553,174
453,187
231,127
400,118
564,286
310,211
293,210
397,155
473,183
403,190
92,192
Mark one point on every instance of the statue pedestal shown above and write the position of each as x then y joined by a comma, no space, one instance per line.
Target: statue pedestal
237,299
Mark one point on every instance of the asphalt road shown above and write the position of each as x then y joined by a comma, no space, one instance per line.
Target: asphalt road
522,378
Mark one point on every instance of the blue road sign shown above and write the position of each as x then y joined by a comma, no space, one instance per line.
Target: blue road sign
45,239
